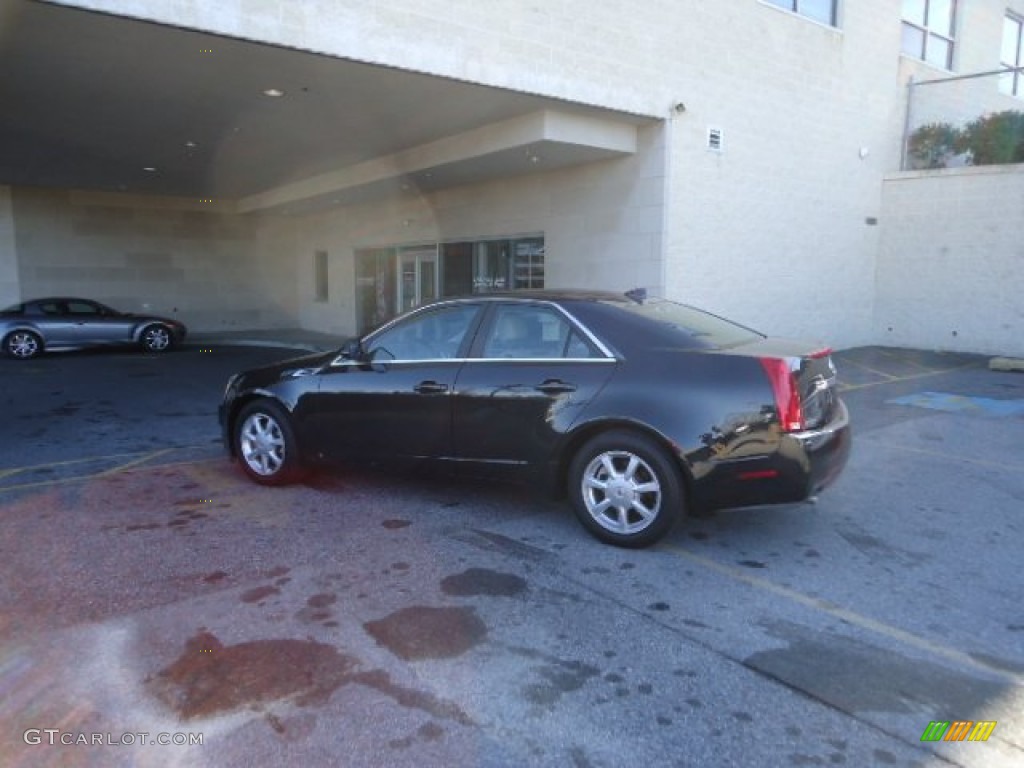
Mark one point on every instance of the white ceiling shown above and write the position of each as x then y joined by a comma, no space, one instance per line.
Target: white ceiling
89,101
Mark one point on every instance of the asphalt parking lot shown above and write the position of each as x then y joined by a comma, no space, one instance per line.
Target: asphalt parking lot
150,593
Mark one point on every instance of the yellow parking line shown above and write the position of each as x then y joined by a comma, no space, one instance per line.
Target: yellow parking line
897,379
15,470
852,617
844,361
136,462
959,458
901,358
132,466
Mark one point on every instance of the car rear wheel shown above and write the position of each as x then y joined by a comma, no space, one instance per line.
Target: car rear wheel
23,345
625,489
156,338
265,444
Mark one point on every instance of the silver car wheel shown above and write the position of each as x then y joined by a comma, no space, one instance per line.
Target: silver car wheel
23,345
621,492
156,338
262,444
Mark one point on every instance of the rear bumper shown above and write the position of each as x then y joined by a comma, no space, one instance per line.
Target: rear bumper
800,465
827,450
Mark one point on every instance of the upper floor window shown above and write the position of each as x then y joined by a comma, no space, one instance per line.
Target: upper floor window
819,10
1012,56
928,27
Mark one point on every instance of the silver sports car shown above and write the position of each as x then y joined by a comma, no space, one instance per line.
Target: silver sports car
29,328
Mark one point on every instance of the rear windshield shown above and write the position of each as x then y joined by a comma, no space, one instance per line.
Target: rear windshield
14,309
709,329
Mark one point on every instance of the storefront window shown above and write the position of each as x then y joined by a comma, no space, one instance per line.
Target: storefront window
390,281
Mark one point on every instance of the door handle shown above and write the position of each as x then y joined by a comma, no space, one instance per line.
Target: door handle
430,387
555,387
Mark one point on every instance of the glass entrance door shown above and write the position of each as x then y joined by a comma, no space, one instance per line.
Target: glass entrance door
417,277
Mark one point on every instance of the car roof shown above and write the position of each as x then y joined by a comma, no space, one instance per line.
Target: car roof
61,298
547,294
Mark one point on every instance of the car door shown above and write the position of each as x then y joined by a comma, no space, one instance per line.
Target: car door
394,402
53,321
531,373
97,324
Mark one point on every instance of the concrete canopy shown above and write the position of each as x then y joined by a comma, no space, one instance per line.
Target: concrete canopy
99,102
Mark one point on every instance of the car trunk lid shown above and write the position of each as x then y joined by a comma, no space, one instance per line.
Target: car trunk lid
803,380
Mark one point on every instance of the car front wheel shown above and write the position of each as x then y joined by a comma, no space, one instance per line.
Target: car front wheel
625,489
23,345
156,338
265,444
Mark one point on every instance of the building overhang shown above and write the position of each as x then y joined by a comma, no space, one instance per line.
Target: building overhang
102,103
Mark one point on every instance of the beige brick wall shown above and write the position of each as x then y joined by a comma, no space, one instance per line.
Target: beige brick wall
142,254
951,262
9,284
776,231
602,225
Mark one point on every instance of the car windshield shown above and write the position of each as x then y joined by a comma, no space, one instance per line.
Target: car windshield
710,329
12,310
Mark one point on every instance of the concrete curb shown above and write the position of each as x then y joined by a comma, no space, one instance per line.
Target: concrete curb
1006,364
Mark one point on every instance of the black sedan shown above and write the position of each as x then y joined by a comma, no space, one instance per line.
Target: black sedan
640,409
27,329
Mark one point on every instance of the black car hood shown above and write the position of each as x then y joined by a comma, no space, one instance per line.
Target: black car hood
286,369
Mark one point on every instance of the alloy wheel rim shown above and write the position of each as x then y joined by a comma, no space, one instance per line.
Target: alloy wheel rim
621,492
157,338
23,345
261,443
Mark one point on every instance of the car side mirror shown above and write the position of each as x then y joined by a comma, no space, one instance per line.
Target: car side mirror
352,350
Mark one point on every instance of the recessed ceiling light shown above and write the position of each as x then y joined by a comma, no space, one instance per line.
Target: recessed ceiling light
274,93
150,169
191,145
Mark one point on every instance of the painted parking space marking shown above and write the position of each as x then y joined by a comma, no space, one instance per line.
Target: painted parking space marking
1000,465
844,614
950,403
93,467
896,379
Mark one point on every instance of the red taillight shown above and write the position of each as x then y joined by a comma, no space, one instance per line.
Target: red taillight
787,394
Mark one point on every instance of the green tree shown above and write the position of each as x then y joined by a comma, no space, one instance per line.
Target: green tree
994,139
932,145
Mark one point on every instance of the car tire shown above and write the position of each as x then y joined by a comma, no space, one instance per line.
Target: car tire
23,345
156,338
625,489
265,444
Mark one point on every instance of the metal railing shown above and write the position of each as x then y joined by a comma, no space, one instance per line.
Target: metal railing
964,120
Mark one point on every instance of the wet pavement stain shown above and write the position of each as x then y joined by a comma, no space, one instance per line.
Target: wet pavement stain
424,632
322,600
483,581
256,594
393,525
210,678
427,732
212,578
856,676
752,564
316,608
143,527
411,698
559,679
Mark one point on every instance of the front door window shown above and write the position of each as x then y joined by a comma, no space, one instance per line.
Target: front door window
417,277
